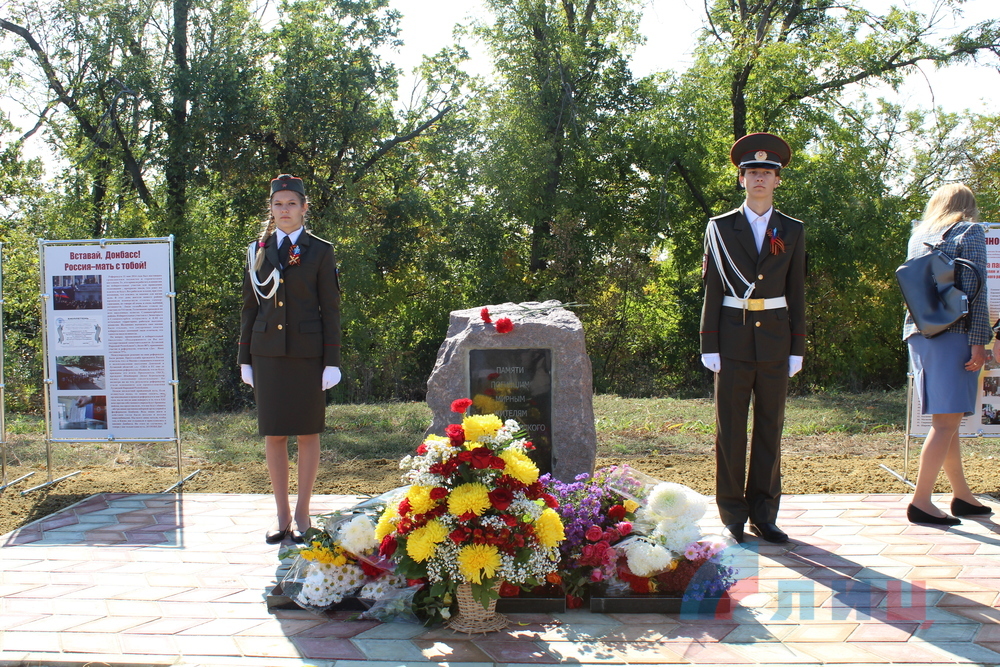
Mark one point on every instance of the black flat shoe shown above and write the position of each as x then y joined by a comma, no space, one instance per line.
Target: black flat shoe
961,508
298,537
276,536
736,530
769,532
917,515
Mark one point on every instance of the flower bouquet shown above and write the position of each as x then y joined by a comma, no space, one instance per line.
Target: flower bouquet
668,553
337,561
474,516
595,519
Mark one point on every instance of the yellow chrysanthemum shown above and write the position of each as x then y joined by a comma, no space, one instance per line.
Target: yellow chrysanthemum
420,499
476,426
472,497
435,438
549,528
387,522
478,560
487,404
423,541
519,466
317,552
631,505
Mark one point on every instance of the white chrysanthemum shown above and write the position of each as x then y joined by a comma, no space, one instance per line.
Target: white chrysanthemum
358,535
675,535
668,500
645,559
378,589
697,504
316,591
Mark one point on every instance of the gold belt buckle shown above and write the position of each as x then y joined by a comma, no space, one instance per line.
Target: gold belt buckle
755,304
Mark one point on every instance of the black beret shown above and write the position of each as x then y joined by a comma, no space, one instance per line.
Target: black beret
760,150
287,182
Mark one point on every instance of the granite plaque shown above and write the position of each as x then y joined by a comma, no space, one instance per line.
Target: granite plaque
516,384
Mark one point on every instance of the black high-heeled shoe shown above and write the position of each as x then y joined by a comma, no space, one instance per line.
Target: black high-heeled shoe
917,515
276,536
961,508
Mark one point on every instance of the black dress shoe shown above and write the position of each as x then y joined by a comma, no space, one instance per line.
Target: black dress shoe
298,537
917,515
736,530
276,536
961,508
769,532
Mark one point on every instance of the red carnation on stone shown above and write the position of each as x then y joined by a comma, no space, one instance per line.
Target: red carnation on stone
504,325
460,405
485,314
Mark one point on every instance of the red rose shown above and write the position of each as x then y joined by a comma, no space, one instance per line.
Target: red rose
504,325
422,449
485,314
456,434
501,499
596,575
416,582
464,456
481,458
497,463
594,533
509,590
457,535
616,513
573,602
460,405
623,528
509,520
388,546
439,492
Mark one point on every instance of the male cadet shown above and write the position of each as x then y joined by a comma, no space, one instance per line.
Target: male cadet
753,329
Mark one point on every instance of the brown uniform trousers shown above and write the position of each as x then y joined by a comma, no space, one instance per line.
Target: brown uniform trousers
754,347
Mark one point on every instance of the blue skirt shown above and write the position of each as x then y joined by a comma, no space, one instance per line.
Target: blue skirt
943,385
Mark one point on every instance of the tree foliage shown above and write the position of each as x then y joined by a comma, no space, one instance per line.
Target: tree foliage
564,176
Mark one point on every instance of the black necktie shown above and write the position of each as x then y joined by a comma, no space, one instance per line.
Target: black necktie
286,243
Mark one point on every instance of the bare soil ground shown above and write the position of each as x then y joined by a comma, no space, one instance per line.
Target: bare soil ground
808,467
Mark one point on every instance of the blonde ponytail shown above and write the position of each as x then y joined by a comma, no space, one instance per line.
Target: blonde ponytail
265,234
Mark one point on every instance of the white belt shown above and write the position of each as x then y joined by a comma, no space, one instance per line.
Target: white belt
755,304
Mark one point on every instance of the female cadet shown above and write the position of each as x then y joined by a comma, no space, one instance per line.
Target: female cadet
289,349
946,367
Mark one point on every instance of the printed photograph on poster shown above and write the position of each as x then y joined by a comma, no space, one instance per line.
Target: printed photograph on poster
991,413
77,332
991,386
991,363
80,372
77,292
82,412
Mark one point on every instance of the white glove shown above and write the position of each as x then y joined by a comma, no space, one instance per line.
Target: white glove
712,361
794,365
246,372
331,376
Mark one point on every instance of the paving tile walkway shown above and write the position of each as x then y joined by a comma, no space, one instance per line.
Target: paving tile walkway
181,580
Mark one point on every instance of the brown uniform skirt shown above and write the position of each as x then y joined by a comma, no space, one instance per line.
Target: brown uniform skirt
289,398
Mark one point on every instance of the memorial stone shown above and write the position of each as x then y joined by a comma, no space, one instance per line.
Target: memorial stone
538,374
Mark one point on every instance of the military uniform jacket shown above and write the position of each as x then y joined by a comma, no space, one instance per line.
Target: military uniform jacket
302,319
765,335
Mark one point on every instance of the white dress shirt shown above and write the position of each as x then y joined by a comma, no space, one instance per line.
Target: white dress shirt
758,223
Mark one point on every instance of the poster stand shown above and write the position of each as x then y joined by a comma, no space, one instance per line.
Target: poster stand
977,425
103,299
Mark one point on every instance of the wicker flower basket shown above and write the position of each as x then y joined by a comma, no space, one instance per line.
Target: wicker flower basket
472,618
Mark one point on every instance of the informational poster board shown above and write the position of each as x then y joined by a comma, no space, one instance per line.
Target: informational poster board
110,353
986,421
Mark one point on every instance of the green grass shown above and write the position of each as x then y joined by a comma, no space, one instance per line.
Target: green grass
866,424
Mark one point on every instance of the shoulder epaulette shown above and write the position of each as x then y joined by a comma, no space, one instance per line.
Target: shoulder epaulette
726,214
